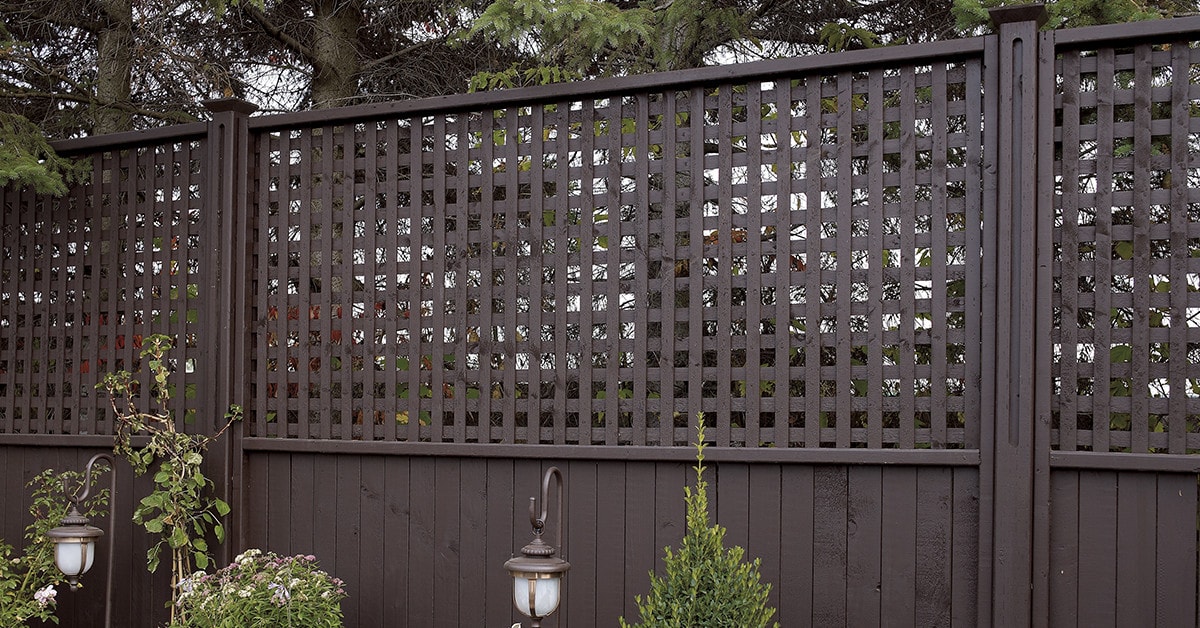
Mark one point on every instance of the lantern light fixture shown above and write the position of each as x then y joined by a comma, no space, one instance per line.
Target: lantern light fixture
75,539
538,573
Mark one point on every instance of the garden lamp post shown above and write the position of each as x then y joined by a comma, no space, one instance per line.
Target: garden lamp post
75,541
538,573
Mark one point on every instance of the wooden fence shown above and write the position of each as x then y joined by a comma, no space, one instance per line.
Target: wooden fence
935,302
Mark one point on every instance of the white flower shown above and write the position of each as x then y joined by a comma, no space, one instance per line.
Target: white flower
244,592
281,595
250,553
45,596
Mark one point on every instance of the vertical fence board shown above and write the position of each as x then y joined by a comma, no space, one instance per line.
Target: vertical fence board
327,524
371,591
1070,202
671,268
422,539
438,297
582,509
730,502
933,546
899,560
875,307
641,512
844,269
1103,269
274,535
502,503
1175,577
1064,548
587,264
724,264
510,242
938,252
447,565
1140,347
610,533
1097,541
390,306
796,576
474,569
964,571
642,297
865,533
413,245
1181,155
829,546
344,246
670,515
395,555
367,402
815,264
767,534
1136,552
753,318
782,393
348,502
908,261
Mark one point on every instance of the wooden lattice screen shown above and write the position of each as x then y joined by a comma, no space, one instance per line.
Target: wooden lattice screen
85,277
796,257
1127,250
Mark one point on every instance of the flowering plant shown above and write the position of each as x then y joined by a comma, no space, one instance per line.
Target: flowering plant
263,589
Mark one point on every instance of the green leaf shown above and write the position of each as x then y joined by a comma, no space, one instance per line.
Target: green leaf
222,507
154,526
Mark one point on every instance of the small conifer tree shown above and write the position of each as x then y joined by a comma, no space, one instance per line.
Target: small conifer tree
706,584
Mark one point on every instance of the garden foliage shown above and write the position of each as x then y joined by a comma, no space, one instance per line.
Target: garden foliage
706,585
265,590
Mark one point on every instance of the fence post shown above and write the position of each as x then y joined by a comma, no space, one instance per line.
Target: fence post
1009,408
226,197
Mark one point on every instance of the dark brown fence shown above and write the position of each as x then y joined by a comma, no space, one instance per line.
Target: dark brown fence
935,302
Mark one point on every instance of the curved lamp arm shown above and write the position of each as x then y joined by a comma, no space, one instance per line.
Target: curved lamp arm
539,522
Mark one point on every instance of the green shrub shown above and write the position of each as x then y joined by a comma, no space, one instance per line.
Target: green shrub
706,584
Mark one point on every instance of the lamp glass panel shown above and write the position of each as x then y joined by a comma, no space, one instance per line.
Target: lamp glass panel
545,595
74,557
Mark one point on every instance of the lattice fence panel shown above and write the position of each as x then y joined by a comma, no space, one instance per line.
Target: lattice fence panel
85,277
1127,250
796,258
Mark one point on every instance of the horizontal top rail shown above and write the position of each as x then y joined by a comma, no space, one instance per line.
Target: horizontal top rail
128,139
825,63
1130,33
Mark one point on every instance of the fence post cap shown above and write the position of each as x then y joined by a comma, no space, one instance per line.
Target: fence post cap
1019,13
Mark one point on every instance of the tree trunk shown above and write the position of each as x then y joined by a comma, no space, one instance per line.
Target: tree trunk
114,67
335,48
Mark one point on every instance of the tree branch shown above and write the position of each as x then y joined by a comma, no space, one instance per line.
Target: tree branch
87,99
277,33
373,63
